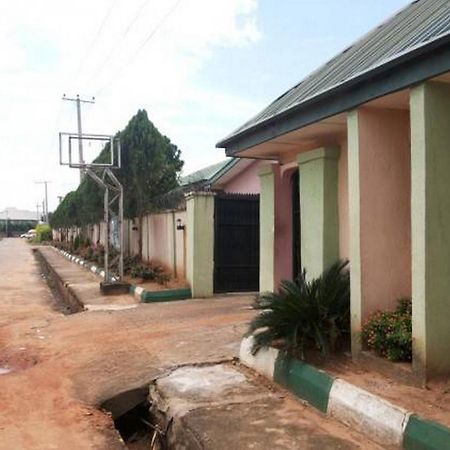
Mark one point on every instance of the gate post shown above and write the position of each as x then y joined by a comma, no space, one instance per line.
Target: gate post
200,243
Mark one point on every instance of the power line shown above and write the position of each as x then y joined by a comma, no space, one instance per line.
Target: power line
95,39
141,47
119,41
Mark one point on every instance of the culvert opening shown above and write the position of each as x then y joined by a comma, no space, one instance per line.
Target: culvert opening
139,430
62,300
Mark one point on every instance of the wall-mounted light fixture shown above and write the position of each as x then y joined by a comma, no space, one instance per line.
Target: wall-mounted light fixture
180,225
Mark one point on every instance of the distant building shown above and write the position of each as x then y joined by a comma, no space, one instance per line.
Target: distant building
14,222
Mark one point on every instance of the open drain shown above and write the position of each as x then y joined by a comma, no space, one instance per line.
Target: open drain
130,411
63,300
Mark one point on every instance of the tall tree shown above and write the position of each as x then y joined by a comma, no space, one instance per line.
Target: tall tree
150,167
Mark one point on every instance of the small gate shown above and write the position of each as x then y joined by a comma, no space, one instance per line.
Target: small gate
236,243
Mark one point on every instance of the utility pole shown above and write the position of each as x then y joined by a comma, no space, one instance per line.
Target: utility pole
37,211
78,101
44,206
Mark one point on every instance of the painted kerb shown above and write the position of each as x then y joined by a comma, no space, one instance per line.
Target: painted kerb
138,291
304,381
423,434
369,414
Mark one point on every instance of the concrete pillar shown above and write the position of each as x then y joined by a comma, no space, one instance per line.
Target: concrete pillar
380,212
319,220
200,243
430,201
267,228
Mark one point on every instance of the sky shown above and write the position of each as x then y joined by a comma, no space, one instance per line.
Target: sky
200,68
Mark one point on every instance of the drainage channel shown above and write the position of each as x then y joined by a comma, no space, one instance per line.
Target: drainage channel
64,301
133,420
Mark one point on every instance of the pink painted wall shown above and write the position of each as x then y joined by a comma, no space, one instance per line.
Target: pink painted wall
283,224
246,181
385,214
283,214
163,243
180,245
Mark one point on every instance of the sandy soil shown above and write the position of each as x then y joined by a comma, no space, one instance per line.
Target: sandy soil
153,286
64,367
432,402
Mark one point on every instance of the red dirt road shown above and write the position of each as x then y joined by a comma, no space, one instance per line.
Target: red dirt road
65,367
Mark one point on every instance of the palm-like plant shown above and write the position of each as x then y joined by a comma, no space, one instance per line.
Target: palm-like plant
305,312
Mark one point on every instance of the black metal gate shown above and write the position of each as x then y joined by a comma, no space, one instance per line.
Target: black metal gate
236,243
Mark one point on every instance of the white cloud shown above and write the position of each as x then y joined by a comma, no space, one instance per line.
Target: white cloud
42,44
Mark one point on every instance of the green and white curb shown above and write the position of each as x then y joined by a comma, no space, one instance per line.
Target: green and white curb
166,295
138,291
86,264
373,416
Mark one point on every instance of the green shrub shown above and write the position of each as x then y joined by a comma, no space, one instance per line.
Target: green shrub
43,233
150,272
305,313
389,333
143,271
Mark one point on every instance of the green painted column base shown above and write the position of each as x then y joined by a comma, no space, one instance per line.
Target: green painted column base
421,434
304,381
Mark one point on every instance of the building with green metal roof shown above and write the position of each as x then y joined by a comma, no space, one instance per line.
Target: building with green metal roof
362,148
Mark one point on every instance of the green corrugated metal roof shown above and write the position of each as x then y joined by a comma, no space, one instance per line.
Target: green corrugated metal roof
417,25
208,173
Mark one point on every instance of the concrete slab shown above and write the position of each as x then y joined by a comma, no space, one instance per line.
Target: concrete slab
222,406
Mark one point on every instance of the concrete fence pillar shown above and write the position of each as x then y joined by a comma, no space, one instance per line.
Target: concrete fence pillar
430,204
200,243
319,240
267,228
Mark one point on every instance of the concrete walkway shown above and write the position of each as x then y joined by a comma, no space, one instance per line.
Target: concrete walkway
63,367
85,284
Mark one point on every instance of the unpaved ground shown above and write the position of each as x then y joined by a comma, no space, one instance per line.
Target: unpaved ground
64,367
432,402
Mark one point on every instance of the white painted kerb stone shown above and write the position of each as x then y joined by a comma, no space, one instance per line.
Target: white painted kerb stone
263,362
377,418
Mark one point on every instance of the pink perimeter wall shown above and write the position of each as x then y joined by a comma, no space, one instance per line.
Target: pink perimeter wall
163,243
385,207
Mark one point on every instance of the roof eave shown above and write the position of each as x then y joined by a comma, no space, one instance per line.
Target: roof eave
414,67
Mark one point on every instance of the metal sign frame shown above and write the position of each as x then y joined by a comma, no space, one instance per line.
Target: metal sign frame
102,174
114,144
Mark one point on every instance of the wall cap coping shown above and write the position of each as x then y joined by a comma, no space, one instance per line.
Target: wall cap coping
191,195
319,153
